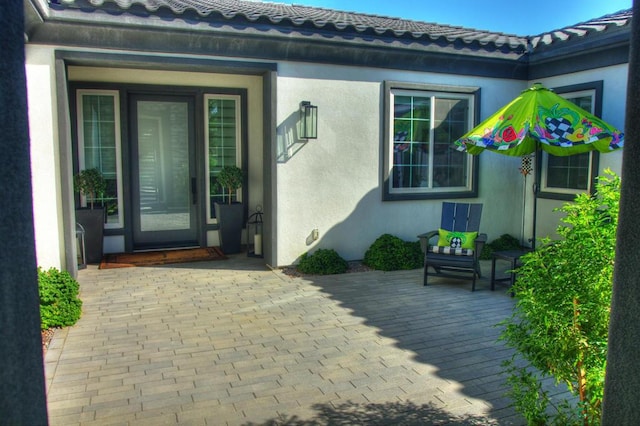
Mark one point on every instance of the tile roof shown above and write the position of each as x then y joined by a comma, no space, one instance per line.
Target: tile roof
280,14
603,23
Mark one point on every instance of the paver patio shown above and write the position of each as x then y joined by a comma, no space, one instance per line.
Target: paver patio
234,343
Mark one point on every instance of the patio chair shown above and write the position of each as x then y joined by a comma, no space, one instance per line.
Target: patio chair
454,250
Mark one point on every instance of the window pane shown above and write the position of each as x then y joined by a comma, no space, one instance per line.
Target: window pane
421,161
424,129
402,107
421,108
100,147
411,141
450,165
583,102
222,144
572,173
402,130
420,132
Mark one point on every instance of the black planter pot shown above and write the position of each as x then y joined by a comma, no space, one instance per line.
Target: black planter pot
93,223
230,221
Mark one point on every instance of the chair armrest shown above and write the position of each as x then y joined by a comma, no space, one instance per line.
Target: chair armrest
424,239
428,235
481,240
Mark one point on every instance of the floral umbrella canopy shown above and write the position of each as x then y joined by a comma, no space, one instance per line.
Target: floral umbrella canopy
539,118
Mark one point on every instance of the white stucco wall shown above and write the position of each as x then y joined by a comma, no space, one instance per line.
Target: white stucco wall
43,119
333,184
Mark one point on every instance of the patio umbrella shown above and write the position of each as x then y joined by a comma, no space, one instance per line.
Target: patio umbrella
540,119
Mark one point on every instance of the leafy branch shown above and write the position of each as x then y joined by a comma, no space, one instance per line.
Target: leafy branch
560,323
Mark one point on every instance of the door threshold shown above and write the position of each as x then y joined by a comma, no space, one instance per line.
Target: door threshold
165,249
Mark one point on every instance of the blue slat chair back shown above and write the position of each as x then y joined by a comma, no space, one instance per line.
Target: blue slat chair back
461,217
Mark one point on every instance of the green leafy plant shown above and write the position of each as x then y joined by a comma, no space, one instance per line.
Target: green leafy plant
90,183
59,302
322,262
561,320
231,178
390,253
505,242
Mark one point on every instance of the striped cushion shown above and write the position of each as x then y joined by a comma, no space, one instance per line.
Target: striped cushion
451,250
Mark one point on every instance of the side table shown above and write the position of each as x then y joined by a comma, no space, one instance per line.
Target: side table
511,256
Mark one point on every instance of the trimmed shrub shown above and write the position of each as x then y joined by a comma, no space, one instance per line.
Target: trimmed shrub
322,262
390,253
59,302
505,242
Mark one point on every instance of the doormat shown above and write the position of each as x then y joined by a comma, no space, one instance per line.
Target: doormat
164,257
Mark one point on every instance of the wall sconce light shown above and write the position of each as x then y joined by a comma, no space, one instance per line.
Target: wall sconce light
309,120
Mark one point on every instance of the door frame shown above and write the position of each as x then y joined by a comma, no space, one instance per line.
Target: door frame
127,90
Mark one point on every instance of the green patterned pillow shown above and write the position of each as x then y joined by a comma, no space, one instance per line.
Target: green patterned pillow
453,239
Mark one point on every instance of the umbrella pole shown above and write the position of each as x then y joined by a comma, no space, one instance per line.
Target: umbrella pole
524,210
525,170
535,208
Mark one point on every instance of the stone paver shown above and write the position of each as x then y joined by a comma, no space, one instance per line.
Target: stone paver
232,342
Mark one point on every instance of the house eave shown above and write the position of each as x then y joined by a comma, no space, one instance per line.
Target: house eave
107,59
34,15
276,45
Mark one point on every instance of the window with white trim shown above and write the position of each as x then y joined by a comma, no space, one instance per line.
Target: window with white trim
99,147
420,158
222,145
573,174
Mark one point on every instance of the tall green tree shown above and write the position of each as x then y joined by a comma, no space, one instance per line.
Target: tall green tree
560,323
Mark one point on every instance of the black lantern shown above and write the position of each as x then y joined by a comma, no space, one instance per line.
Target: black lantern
308,120
254,231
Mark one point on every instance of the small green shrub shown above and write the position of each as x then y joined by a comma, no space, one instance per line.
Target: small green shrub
390,253
59,303
505,242
322,262
90,183
231,178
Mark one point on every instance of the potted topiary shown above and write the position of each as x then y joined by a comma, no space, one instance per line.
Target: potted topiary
230,215
92,185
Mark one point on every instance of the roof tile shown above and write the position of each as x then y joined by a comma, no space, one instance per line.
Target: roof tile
603,23
329,19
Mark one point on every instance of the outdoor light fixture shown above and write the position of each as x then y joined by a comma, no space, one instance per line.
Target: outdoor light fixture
308,120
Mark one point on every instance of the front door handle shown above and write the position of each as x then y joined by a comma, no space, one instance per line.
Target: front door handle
194,190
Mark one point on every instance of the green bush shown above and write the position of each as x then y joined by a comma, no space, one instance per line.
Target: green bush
561,321
505,242
390,253
322,262
59,303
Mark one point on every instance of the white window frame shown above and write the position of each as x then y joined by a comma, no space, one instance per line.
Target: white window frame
434,92
544,187
118,147
238,136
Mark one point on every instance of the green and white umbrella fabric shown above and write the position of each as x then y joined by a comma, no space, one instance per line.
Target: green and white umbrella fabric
540,119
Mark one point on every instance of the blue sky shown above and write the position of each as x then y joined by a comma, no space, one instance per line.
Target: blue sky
508,16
